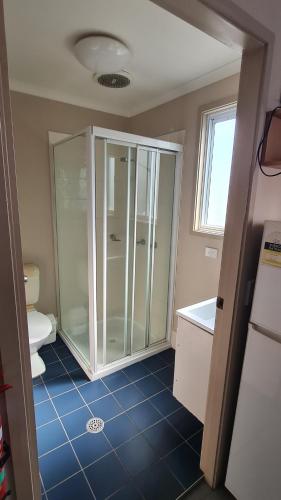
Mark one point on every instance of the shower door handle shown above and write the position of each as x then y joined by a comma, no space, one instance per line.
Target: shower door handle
141,242
113,237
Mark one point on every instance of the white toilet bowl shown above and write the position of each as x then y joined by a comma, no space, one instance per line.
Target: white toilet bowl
39,325
39,328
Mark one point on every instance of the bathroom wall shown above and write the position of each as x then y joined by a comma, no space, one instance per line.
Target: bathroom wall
197,276
33,117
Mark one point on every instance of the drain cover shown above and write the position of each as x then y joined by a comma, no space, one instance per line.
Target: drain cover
94,425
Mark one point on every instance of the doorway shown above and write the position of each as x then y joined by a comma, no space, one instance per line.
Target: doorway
259,56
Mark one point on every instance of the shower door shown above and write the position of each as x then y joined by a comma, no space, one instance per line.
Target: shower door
115,173
146,194
154,222
134,192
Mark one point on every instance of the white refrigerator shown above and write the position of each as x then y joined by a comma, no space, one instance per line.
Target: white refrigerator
254,467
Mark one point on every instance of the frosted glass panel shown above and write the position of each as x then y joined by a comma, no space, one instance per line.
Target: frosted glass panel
115,191
144,233
71,177
162,248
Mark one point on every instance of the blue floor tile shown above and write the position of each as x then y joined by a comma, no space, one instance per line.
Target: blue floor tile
136,455
154,363
71,489
39,393
79,377
63,351
168,356
70,364
47,347
48,356
58,465
36,381
162,438
165,402
144,415
68,402
106,408
59,342
119,430
126,493
136,371
166,375
90,447
50,436
54,370
196,441
184,463
149,386
93,390
106,476
59,385
129,396
157,483
44,413
185,423
116,381
75,422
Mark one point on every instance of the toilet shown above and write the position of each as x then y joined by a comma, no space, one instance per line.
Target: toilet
39,325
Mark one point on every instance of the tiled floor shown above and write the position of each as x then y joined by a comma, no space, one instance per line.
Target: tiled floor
203,492
149,448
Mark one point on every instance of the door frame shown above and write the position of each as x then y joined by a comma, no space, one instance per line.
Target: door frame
14,344
229,24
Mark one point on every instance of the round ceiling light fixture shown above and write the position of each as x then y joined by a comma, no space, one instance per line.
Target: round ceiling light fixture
102,54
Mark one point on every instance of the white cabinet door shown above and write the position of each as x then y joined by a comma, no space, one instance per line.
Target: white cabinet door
192,367
255,456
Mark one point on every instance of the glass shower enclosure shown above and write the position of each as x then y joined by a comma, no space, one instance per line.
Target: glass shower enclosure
116,198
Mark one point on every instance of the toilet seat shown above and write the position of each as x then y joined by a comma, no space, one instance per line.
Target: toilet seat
39,326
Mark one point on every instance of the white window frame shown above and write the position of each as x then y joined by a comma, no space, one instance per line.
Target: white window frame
209,118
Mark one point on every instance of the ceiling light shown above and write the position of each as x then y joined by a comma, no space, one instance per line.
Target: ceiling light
102,54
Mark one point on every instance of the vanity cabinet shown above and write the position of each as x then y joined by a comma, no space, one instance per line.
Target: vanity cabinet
192,367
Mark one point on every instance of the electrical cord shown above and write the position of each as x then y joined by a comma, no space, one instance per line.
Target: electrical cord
264,137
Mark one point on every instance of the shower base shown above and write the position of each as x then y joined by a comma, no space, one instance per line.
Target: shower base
117,348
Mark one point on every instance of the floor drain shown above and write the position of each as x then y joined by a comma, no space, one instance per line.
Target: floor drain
94,425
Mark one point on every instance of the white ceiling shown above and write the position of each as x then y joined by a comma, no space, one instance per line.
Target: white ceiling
170,58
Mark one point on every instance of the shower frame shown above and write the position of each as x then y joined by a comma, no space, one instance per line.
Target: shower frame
129,140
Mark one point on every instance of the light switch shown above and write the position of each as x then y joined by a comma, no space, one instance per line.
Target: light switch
211,252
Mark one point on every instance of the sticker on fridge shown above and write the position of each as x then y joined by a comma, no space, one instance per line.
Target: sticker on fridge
271,254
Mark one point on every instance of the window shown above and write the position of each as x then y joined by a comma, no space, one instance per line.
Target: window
215,155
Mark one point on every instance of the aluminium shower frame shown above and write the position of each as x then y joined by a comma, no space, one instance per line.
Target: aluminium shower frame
92,369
